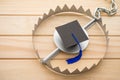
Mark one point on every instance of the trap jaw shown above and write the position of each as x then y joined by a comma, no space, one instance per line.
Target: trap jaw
73,9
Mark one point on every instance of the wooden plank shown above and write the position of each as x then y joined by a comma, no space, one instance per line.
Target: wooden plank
16,46
16,25
33,70
23,25
22,47
17,56
31,7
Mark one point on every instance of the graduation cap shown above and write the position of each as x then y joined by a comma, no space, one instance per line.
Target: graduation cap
65,31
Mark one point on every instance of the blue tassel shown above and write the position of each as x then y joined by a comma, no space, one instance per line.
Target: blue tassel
78,57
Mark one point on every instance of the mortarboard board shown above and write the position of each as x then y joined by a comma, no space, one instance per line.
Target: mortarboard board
65,31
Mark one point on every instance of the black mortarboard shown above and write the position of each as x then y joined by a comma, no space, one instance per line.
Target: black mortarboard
65,31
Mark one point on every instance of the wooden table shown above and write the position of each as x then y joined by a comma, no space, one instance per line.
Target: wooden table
17,56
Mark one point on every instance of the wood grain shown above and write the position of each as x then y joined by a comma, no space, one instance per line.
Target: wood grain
23,25
38,7
22,47
33,70
18,60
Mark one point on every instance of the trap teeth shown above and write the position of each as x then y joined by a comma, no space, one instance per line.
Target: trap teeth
88,12
100,22
45,16
81,10
85,69
76,71
39,21
104,27
93,65
51,12
67,9
73,8
66,71
35,26
58,9
107,32
57,69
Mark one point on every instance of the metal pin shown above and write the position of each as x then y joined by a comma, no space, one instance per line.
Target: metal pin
88,25
51,55
57,50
